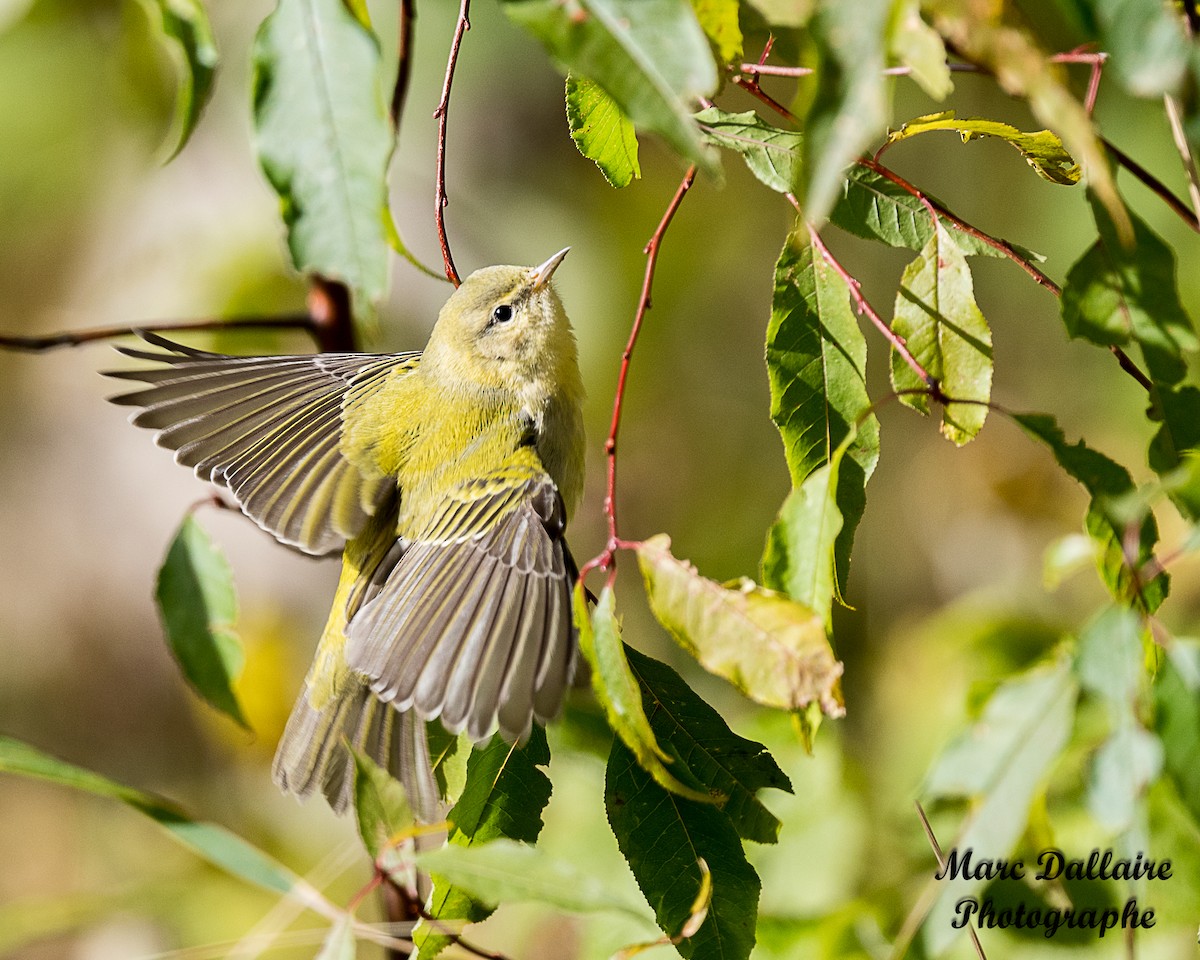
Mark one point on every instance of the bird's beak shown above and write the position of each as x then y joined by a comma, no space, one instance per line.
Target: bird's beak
540,275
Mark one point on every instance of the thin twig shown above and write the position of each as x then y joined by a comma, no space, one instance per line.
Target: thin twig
1007,249
456,939
1185,152
1150,180
1001,245
865,308
1097,61
753,70
441,114
750,85
408,16
73,338
941,860
605,560
1093,90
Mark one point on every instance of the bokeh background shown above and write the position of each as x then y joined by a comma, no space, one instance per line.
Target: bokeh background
946,587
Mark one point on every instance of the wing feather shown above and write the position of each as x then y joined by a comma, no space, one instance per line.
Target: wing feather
472,623
268,429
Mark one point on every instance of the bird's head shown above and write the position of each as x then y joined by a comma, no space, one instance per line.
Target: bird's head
504,327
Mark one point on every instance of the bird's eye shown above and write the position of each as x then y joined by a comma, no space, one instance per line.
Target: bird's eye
502,314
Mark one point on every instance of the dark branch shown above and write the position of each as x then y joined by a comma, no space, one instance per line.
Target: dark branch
73,338
1155,185
408,16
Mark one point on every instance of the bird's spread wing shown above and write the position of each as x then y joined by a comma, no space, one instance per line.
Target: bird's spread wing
474,622
268,429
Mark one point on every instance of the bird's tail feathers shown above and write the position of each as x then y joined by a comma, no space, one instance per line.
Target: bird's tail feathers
312,752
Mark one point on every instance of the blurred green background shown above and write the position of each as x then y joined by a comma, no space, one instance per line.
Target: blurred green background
947,575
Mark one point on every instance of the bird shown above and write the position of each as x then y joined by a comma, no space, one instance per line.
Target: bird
445,478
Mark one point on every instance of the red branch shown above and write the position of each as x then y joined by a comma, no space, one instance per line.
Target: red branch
865,308
1093,90
605,560
1125,361
750,85
1000,245
747,79
441,115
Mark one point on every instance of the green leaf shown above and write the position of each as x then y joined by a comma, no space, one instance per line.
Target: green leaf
1177,720
771,648
937,316
714,755
198,605
450,754
719,20
601,131
873,207
617,690
504,796
920,48
213,843
380,806
772,154
506,871
800,553
324,140
650,56
1146,43
999,764
185,24
850,105
1104,481
1109,665
1042,150
1174,446
339,943
663,837
816,364
1115,293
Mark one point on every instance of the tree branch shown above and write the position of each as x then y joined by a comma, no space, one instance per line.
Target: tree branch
751,86
1097,60
1001,245
408,16
441,114
1155,185
605,560
865,309
73,338
456,939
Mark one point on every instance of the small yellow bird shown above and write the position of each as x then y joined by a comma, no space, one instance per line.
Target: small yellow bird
447,476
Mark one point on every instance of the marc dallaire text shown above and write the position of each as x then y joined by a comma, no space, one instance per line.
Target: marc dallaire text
1053,864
